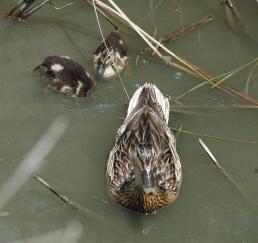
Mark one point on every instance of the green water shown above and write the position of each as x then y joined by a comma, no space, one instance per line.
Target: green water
209,208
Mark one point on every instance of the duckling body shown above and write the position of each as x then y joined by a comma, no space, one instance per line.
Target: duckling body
144,170
66,76
114,51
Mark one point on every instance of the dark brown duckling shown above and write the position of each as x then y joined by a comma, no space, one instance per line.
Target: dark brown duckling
104,56
66,76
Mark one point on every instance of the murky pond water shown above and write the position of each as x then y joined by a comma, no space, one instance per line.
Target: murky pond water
209,208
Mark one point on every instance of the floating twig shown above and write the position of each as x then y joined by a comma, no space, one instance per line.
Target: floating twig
190,90
223,171
120,15
235,140
165,39
216,107
224,76
234,71
80,209
185,30
62,197
178,131
23,9
249,77
69,202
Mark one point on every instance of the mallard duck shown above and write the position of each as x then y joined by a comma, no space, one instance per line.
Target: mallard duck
110,57
143,169
66,76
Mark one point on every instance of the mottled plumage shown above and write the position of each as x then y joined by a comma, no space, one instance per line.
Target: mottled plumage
105,55
143,170
66,76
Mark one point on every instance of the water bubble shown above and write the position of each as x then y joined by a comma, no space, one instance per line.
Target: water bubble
145,231
178,75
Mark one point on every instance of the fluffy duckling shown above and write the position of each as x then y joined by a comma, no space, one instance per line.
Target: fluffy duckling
66,76
113,51
144,170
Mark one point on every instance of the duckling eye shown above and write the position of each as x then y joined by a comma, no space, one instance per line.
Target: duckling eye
51,73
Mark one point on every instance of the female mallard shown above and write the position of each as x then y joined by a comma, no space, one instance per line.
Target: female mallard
66,76
110,57
143,170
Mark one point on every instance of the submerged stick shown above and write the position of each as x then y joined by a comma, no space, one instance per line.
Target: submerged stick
62,197
223,171
22,10
185,30
165,39
80,209
69,202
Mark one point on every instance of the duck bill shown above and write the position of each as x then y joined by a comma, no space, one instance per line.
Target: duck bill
22,10
148,182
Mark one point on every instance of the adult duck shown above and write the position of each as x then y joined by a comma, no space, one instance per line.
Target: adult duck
144,170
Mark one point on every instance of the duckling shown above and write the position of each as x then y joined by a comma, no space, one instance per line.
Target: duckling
110,57
66,76
143,170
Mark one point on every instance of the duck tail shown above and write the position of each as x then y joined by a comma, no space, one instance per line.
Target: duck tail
149,95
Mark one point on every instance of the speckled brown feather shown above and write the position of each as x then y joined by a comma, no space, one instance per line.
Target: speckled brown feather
114,47
113,41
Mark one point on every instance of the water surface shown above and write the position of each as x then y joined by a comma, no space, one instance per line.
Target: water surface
209,208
